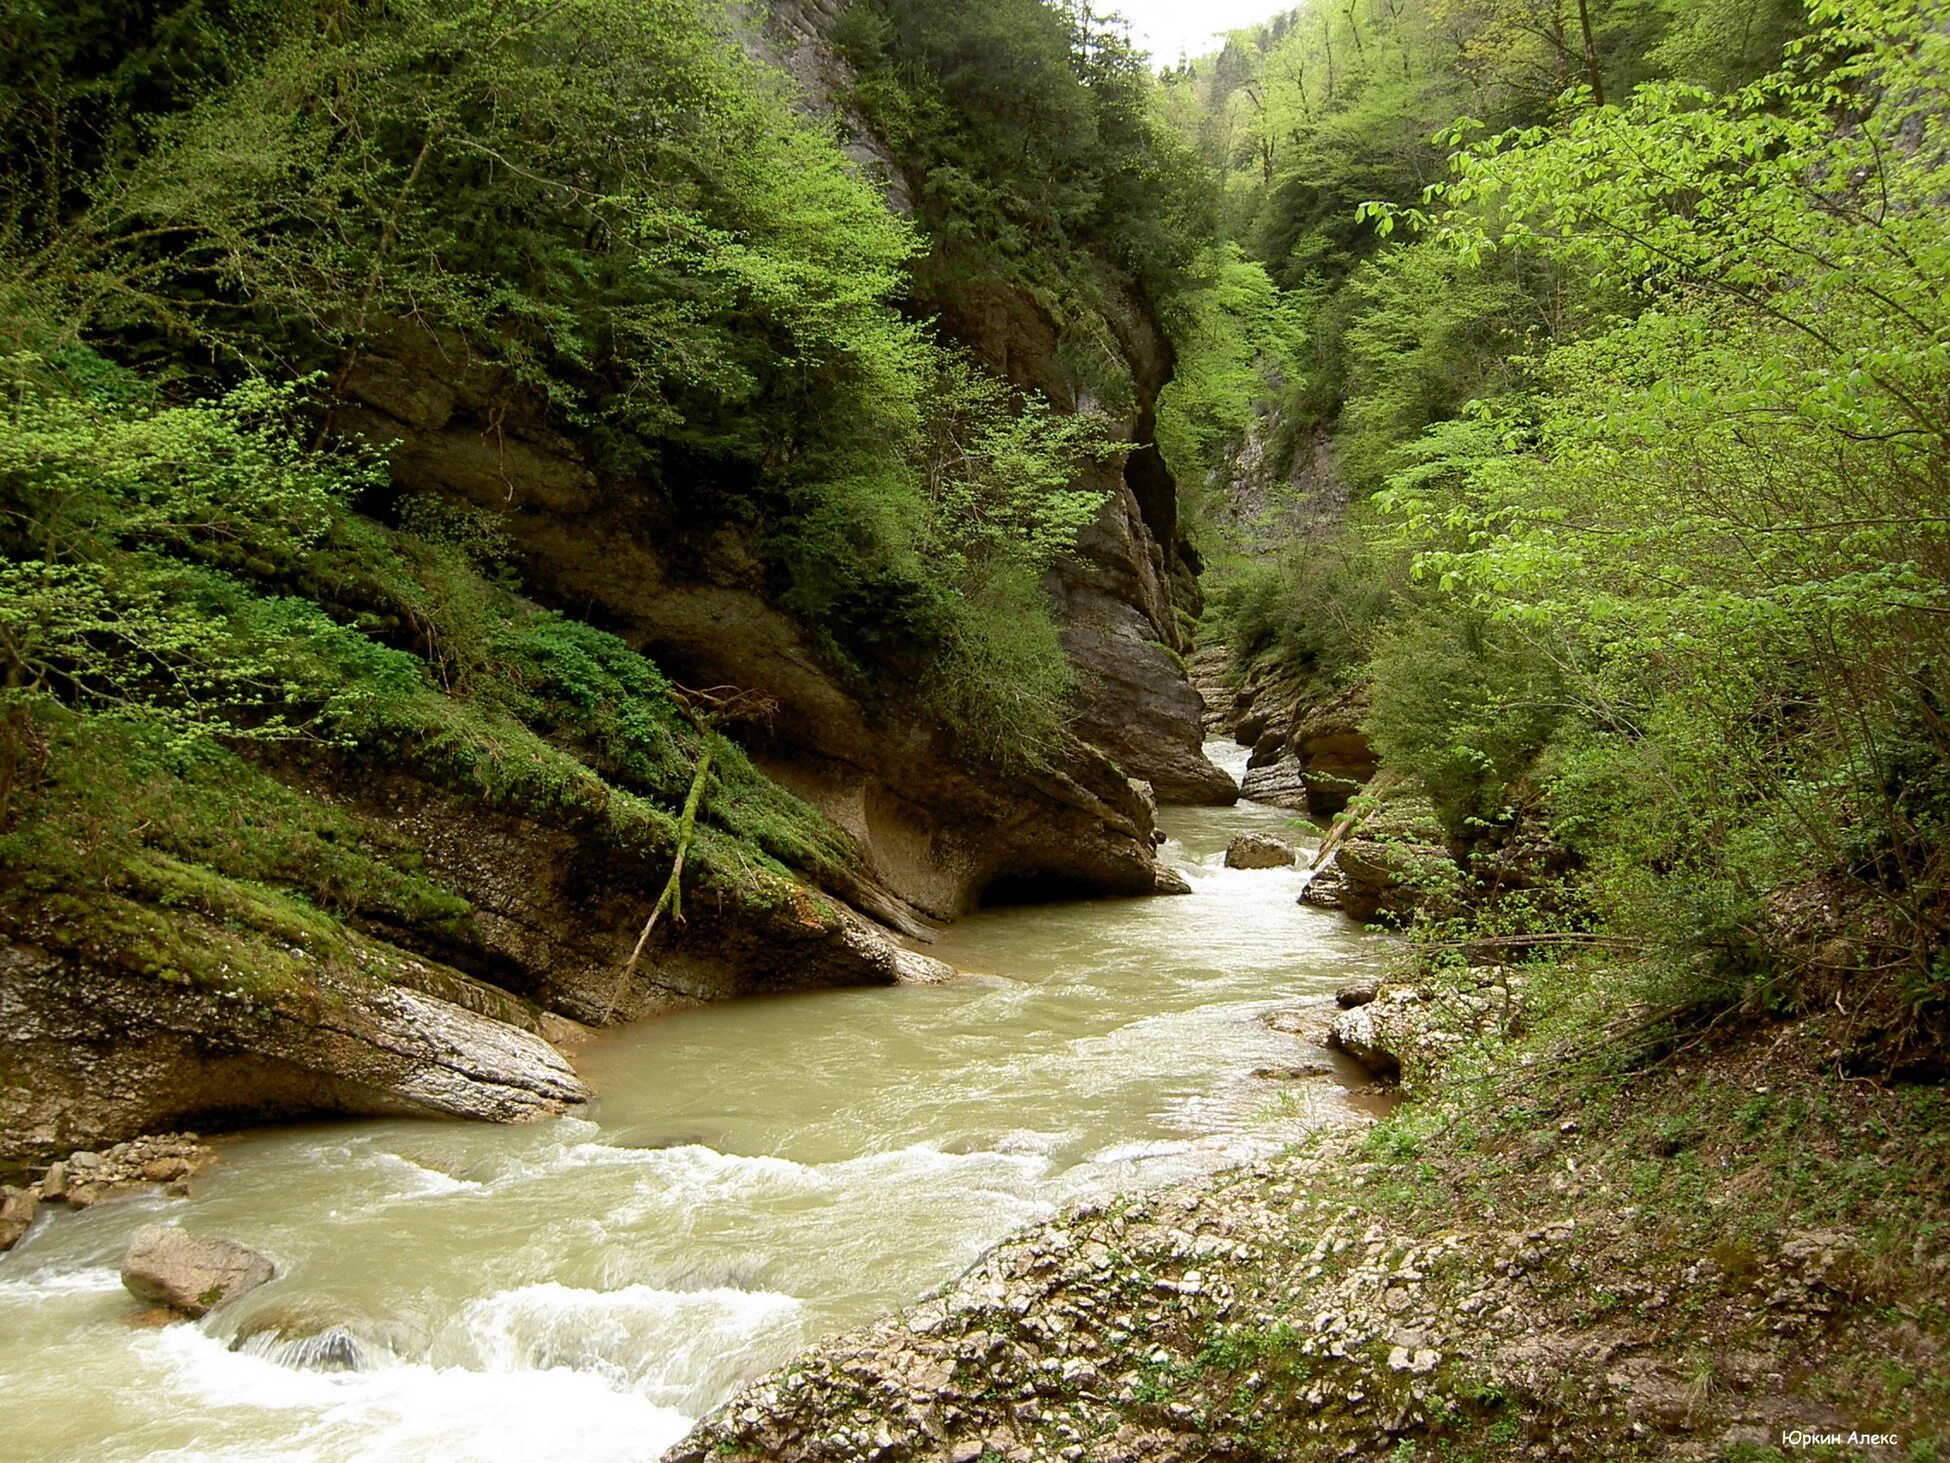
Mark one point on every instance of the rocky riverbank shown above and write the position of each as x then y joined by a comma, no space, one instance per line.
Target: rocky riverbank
86,1177
1634,1277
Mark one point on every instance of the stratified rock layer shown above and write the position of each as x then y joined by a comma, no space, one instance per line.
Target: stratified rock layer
91,1050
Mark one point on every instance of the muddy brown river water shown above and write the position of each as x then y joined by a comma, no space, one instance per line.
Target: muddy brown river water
753,1176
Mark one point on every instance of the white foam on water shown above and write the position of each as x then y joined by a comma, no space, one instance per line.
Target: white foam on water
422,1181
1040,1143
1139,1152
694,1173
607,1291
1228,756
925,1160
701,1164
46,1283
232,1399
679,1349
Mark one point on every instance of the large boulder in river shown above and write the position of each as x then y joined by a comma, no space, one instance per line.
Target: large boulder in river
168,1267
1258,851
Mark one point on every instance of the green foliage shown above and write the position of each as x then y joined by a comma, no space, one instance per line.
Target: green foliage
1033,129
1000,471
623,213
1314,606
125,527
1313,116
179,860
709,256
1427,333
1653,391
1232,332
1002,672
1719,44
1465,707
1721,517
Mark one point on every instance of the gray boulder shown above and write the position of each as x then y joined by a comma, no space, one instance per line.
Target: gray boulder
1361,993
1258,851
166,1266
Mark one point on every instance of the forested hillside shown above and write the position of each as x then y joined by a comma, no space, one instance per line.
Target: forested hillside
407,403
525,516
1622,327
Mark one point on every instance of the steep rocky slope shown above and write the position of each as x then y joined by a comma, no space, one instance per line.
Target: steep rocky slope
1129,596
215,992
934,829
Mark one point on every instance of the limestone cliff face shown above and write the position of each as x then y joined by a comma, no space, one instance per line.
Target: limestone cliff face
1129,596
933,830
455,1018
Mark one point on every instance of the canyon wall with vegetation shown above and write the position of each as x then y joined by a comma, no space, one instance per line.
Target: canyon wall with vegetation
444,442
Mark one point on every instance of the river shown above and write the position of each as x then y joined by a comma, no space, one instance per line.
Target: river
752,1176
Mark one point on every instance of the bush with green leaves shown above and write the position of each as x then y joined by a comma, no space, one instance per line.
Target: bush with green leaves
1721,517
1313,606
126,528
1466,707
1033,131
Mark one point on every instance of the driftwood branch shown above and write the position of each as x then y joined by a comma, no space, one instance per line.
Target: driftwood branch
704,709
672,897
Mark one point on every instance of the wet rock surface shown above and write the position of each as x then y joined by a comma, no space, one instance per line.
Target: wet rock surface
1310,751
18,1210
1325,888
86,1177
167,1266
1259,851
1395,859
